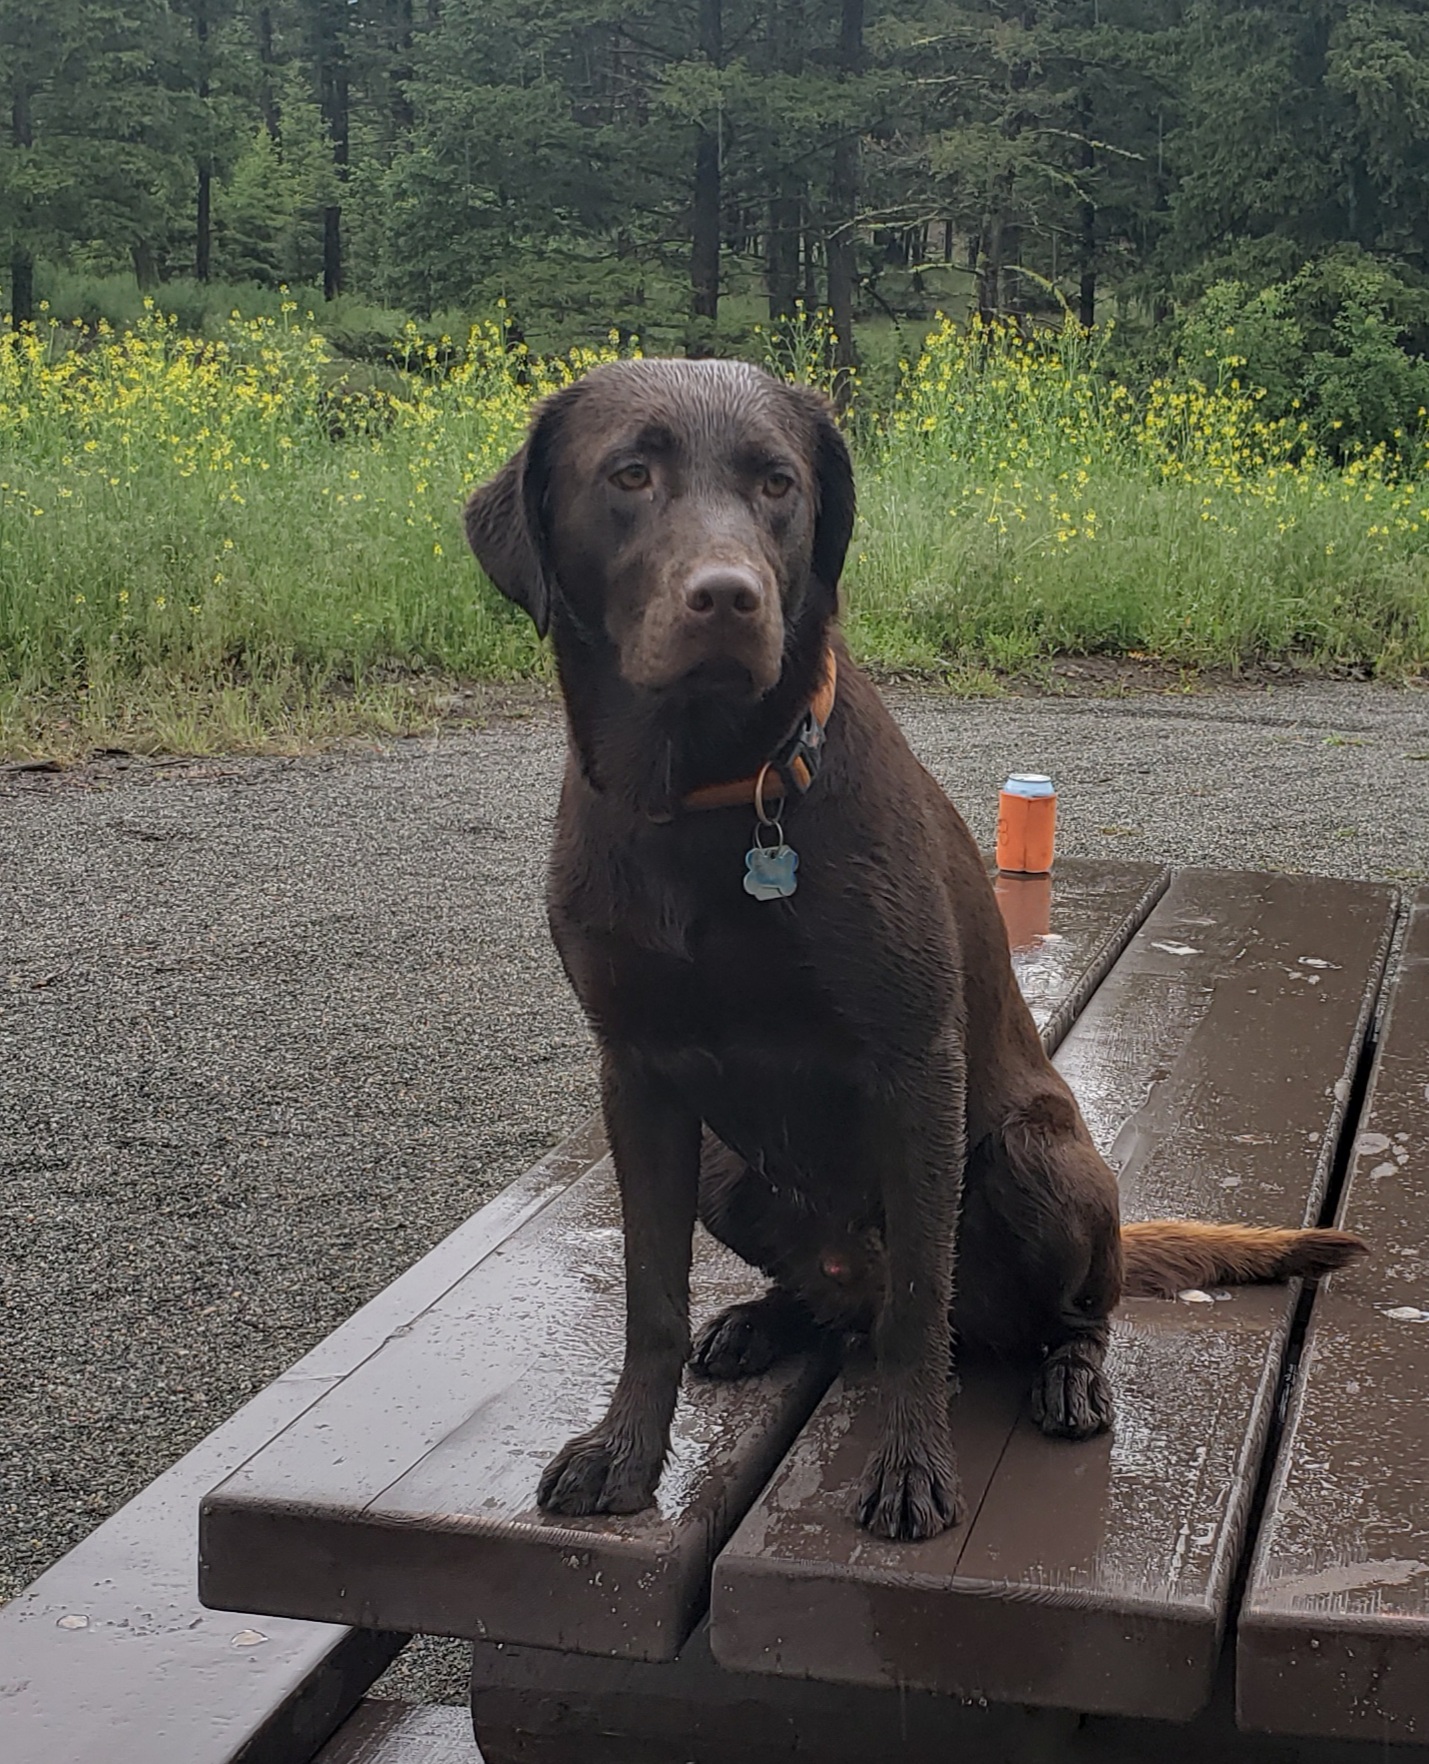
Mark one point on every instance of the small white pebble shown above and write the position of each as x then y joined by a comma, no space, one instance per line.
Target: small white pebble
247,1638
1407,1314
1194,1296
1315,962
1176,948
73,1621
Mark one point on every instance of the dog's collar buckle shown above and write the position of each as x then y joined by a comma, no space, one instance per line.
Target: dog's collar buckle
799,763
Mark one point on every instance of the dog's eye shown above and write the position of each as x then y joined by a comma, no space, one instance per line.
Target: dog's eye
631,477
777,484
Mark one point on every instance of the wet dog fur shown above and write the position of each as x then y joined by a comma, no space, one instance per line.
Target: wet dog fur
845,1085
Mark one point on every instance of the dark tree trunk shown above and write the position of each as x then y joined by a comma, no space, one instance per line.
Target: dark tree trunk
22,264
1012,303
22,287
841,253
705,228
146,265
332,251
786,207
989,268
1087,242
1087,286
704,243
999,276
843,184
331,80
781,256
203,205
810,260
332,217
203,221
267,102
402,113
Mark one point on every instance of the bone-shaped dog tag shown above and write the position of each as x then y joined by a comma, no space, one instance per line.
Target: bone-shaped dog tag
769,872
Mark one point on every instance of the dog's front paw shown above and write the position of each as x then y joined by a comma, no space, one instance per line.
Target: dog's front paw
909,1494
1071,1399
598,1473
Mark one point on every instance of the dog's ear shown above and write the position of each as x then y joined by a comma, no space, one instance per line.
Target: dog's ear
833,468
505,517
499,532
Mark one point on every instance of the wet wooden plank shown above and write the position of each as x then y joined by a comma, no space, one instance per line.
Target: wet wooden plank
110,1656
1065,931
537,1706
1214,1066
1333,1634
405,1498
379,1732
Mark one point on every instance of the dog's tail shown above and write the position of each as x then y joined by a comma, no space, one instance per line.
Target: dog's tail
1165,1256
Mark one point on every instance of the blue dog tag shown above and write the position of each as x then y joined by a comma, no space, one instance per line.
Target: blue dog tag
770,872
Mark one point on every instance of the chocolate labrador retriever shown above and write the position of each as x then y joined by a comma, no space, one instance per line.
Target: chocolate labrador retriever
786,942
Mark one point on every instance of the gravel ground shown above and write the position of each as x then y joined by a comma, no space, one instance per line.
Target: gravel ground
270,1028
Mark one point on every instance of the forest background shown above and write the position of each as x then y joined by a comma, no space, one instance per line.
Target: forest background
1184,242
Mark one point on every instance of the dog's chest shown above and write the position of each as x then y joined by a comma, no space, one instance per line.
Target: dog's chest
742,983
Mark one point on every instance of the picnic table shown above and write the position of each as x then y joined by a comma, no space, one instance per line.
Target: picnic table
1245,1558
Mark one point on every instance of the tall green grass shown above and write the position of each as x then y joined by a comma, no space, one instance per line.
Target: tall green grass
1017,504
236,539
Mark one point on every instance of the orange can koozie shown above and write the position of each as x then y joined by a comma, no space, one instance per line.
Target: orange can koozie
1026,824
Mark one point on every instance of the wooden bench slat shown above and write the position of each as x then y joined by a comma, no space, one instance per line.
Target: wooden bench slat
1066,930
380,1732
405,1498
1214,1066
146,1675
536,1706
110,1648
1334,1627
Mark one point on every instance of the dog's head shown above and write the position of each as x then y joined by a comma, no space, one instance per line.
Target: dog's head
688,514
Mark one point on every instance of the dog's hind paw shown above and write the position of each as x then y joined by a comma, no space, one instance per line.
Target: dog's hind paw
745,1340
907,1496
736,1344
1071,1398
597,1473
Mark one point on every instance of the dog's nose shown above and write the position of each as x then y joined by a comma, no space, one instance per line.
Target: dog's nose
722,591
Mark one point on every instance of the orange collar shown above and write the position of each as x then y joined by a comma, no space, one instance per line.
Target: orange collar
791,771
